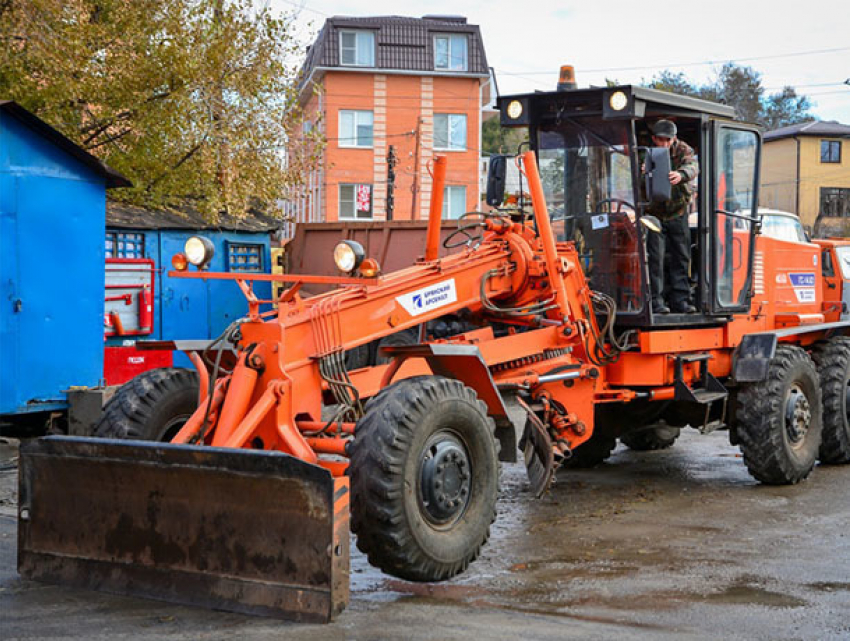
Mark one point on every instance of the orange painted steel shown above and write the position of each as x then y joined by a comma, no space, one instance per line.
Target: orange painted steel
435,213
191,430
328,445
248,426
239,393
547,236
319,426
279,405
203,375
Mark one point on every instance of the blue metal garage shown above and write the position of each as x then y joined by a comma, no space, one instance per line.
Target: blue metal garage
52,210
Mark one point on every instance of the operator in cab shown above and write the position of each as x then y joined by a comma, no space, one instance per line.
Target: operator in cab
670,278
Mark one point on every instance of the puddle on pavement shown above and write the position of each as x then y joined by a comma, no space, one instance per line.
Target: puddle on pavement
748,594
830,586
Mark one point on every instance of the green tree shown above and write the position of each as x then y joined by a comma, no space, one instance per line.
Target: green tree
741,87
496,139
193,100
675,83
785,108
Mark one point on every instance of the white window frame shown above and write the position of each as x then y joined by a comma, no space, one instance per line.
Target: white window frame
450,144
452,40
352,201
358,34
448,213
352,140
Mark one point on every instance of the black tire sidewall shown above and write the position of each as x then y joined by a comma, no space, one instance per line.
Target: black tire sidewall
760,418
833,361
466,423
802,458
147,406
178,406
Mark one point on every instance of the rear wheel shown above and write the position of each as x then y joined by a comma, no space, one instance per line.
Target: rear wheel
833,362
399,339
153,406
592,452
779,419
424,478
654,438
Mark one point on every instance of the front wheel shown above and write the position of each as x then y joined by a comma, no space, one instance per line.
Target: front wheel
424,478
779,419
153,406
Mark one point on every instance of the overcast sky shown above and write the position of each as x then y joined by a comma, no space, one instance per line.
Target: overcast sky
805,45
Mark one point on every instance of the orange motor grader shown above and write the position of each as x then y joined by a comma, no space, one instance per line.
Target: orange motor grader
274,442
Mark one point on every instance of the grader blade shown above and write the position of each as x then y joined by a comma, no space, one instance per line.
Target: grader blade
254,532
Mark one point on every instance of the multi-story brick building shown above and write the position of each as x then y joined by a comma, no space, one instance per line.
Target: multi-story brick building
410,87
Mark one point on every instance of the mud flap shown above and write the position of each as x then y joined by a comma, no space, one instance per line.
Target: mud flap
246,531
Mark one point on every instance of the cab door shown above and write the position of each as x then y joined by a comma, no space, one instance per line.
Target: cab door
736,154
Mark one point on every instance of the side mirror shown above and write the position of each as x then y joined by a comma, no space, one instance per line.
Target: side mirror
496,180
658,174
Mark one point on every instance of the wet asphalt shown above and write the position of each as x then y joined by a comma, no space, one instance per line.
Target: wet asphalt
677,544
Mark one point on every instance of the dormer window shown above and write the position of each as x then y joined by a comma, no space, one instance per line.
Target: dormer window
450,52
357,48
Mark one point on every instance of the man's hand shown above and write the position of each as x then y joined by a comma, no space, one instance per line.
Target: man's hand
675,177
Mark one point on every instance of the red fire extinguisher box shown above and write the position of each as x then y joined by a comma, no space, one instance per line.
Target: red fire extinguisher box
129,315
120,364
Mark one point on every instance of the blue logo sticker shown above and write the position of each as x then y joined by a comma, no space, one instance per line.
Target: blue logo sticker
802,280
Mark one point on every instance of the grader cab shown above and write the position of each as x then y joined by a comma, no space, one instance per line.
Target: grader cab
247,508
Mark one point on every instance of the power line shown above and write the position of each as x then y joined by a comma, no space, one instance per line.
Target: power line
690,64
303,7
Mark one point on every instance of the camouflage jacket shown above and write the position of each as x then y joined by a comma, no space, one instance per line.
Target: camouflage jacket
683,160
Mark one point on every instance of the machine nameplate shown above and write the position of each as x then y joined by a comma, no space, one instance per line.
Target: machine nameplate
427,298
804,286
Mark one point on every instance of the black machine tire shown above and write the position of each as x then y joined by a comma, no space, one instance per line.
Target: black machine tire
357,357
399,339
832,358
592,452
153,406
779,419
654,438
409,429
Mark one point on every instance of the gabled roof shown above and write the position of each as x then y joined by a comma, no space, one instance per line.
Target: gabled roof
123,216
824,128
402,44
30,120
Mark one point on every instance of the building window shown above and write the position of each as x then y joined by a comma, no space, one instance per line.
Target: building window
125,245
355,128
450,53
244,257
830,151
355,202
450,132
835,201
454,201
357,48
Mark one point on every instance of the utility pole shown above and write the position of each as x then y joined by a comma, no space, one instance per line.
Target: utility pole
392,161
415,186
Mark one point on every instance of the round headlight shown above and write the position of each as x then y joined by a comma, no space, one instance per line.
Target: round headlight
618,101
348,255
199,250
514,109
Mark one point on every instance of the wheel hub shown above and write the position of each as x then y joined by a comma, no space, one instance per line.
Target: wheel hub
798,415
445,479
